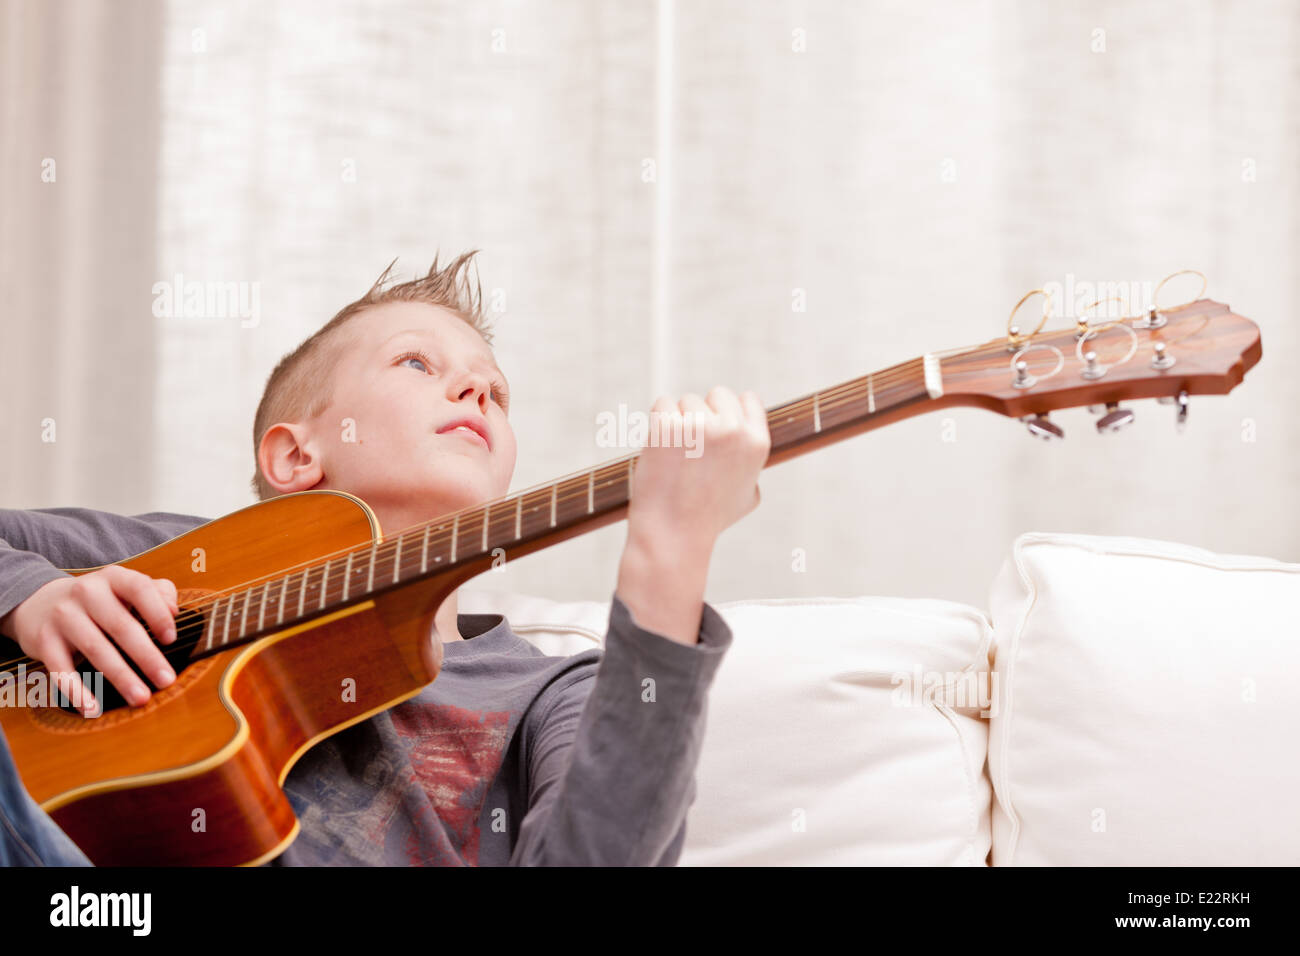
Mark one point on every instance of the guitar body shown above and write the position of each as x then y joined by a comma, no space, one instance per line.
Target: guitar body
194,777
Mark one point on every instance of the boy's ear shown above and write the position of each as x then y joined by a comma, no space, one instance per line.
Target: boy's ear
289,459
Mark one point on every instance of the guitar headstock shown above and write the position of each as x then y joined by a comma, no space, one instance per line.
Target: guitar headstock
1198,348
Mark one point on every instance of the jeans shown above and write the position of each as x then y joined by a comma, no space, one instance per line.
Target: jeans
28,836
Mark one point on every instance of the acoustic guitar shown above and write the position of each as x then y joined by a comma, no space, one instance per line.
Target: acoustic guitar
307,618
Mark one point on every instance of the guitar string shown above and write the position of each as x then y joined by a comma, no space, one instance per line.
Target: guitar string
830,399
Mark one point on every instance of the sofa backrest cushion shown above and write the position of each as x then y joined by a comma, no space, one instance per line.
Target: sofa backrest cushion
1147,710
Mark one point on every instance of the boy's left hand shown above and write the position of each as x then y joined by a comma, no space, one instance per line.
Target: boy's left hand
692,491
683,497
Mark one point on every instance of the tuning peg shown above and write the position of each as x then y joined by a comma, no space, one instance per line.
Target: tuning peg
1115,419
1022,378
1041,427
1181,402
1092,370
1153,319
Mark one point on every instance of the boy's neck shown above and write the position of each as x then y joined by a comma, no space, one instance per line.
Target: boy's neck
445,620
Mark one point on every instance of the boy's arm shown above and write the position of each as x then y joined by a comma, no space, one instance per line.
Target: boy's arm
54,616
610,783
34,545
612,772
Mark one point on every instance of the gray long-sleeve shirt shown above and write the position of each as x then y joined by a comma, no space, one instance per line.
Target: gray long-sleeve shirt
509,757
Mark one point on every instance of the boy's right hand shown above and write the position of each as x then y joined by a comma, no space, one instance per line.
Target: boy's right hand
79,614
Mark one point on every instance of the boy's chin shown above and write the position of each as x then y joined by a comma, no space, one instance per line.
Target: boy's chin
444,493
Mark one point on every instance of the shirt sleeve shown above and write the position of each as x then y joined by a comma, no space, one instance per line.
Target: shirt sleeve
612,764
35,545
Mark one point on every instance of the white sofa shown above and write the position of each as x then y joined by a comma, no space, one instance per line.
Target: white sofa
1121,702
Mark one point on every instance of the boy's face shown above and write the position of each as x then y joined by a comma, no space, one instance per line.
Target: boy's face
406,371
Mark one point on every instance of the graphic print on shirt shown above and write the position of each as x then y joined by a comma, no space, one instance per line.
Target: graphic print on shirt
454,755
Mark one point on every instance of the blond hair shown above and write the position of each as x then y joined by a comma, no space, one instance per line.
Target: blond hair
299,387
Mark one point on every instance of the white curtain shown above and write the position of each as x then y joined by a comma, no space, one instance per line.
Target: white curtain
79,138
669,195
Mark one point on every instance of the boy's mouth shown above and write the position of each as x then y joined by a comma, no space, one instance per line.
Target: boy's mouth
471,428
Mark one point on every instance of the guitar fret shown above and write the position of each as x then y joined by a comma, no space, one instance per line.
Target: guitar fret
817,412
455,529
533,511
284,590
370,577
397,559
602,485
438,557
553,494
519,517
871,395
261,605
933,375
486,511
347,576
323,578
424,550
302,594
212,623
591,492
243,616
225,634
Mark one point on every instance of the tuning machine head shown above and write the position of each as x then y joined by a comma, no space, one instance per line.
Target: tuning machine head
1040,426
1181,402
1114,419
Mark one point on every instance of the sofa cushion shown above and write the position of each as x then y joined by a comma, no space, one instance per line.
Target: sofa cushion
830,738
1146,705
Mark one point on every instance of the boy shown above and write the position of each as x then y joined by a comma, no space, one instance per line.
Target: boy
509,756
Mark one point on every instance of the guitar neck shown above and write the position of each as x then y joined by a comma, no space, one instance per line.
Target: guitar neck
858,405
461,545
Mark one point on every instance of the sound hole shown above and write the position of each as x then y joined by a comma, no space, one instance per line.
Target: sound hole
188,633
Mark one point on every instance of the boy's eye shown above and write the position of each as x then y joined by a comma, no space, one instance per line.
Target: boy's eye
418,357
421,360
